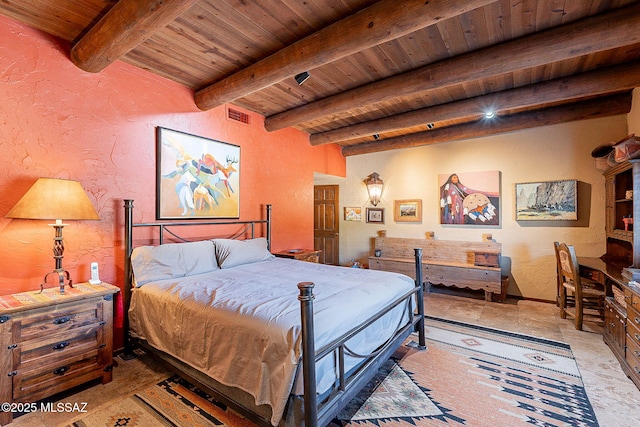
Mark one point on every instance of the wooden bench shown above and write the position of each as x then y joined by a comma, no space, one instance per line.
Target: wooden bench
461,264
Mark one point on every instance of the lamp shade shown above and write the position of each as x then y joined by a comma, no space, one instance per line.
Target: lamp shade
51,198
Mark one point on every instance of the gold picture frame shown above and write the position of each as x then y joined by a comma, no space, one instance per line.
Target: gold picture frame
408,210
353,214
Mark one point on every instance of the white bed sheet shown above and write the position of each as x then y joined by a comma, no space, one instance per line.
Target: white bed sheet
251,340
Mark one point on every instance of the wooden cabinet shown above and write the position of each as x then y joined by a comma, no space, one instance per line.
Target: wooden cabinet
51,342
309,255
615,318
618,181
619,212
632,356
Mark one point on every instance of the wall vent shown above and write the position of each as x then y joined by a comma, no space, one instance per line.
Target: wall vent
238,116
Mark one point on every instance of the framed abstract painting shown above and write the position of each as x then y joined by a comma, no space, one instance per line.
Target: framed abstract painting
196,177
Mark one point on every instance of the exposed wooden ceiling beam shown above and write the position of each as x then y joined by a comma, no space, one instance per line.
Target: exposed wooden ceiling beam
590,109
599,33
383,21
595,83
127,24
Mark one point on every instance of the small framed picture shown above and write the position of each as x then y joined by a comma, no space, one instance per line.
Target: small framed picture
353,214
375,215
407,210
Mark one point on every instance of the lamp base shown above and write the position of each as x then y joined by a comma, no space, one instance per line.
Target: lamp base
62,276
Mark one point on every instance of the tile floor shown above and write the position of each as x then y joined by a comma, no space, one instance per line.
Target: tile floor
615,399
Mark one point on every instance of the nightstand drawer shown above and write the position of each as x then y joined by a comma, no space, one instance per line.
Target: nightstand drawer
51,341
58,347
46,322
34,384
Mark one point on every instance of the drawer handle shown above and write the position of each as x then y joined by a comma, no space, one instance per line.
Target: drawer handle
635,368
61,320
637,336
62,370
12,346
61,345
12,373
613,324
637,320
637,353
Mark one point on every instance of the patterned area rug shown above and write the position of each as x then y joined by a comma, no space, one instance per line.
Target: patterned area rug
468,376
474,376
172,402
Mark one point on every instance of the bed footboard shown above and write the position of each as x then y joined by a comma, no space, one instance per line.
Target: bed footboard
321,413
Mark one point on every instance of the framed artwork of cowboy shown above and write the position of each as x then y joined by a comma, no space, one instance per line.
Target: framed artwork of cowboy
196,177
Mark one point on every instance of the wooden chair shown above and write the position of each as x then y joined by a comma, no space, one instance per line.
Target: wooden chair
577,294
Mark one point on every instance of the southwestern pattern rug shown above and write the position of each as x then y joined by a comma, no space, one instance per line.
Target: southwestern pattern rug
474,376
468,376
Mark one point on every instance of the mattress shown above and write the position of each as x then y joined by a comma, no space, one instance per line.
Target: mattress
241,325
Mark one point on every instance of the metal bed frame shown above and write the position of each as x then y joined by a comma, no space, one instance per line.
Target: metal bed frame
315,411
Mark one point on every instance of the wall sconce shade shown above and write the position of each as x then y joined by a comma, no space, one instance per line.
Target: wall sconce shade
55,199
374,188
302,77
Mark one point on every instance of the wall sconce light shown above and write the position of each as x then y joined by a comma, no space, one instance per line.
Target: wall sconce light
302,77
374,187
55,199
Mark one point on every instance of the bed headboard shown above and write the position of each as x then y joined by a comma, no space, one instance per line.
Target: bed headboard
171,228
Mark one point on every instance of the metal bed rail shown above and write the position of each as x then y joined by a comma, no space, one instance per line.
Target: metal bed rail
321,413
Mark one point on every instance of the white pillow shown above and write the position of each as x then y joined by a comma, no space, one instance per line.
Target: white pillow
172,260
231,252
198,257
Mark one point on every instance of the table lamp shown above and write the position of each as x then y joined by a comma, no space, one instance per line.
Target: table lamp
55,199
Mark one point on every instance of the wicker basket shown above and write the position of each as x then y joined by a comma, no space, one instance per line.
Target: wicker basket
619,296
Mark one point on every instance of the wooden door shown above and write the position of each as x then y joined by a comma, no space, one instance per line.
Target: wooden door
326,222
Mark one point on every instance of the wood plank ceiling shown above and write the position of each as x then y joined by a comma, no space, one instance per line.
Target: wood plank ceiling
384,74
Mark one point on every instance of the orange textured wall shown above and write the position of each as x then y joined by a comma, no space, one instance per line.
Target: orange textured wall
58,121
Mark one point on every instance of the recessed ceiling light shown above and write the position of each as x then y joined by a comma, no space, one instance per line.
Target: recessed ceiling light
490,114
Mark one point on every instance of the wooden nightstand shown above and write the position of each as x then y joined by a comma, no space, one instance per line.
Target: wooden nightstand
309,255
50,342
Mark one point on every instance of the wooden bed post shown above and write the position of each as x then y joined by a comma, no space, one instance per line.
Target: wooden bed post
422,343
308,354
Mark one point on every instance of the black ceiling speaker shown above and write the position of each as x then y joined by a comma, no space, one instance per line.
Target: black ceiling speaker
302,77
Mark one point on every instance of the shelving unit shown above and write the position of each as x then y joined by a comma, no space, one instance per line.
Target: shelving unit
619,180
622,315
